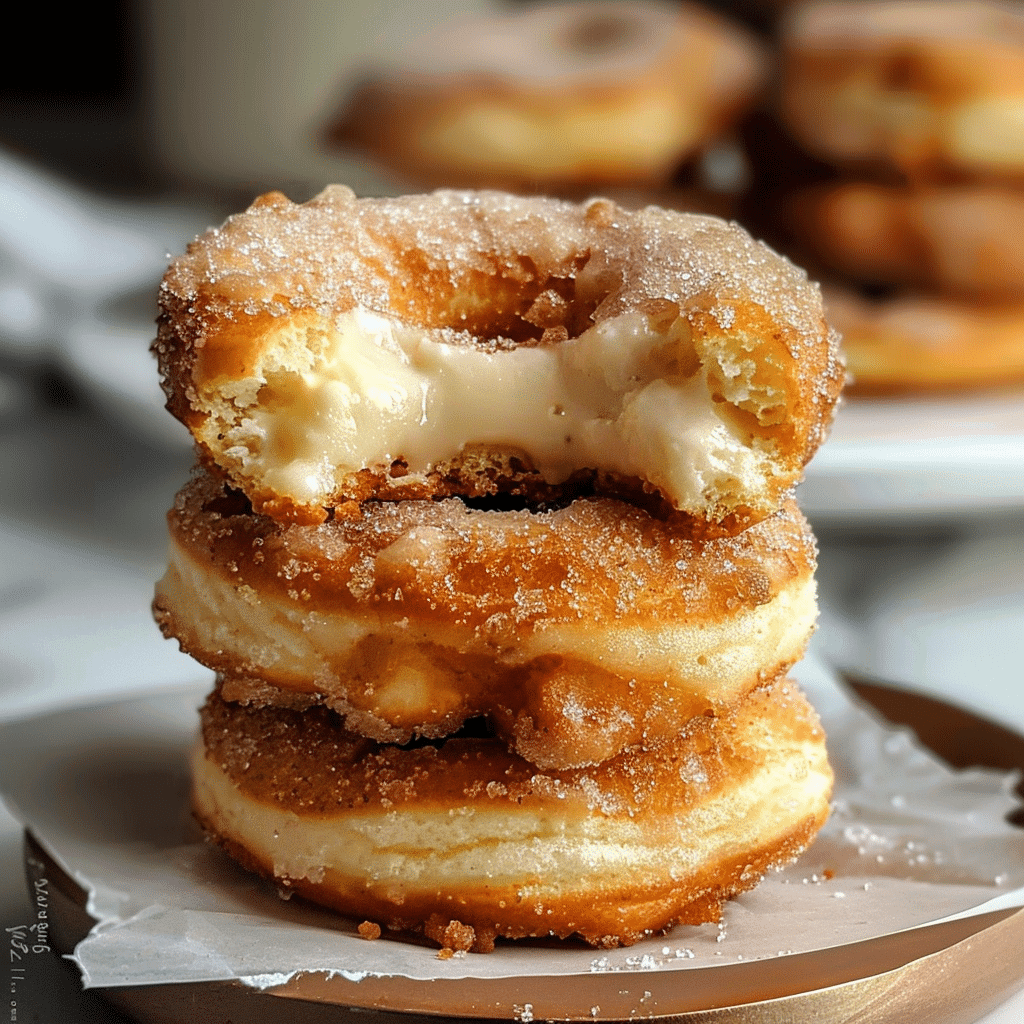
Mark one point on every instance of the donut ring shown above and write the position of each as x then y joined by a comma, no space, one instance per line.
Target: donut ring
932,87
923,343
467,833
475,343
556,94
968,240
578,632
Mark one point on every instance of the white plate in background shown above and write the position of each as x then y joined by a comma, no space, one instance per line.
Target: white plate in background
907,458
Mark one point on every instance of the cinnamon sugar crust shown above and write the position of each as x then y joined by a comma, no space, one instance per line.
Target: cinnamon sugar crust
578,632
474,343
464,833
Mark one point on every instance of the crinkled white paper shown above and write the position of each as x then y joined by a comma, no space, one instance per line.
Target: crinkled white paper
105,790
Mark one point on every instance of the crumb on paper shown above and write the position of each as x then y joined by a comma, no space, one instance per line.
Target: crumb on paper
449,935
369,930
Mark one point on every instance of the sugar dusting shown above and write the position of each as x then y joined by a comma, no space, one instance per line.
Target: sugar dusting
492,271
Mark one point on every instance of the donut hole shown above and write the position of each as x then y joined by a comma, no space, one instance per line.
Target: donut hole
600,34
228,504
476,728
511,501
503,298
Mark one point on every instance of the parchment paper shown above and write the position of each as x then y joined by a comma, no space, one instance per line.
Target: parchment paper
105,790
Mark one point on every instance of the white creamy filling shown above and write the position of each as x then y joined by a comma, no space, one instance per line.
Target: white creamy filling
607,399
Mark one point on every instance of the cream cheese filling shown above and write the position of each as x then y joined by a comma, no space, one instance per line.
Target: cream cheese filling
614,398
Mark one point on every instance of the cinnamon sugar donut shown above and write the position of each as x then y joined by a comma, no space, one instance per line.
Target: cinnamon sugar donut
966,239
467,841
934,87
579,632
476,343
928,343
556,94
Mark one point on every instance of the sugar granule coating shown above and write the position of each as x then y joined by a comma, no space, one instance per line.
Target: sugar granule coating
453,936
468,841
474,343
577,632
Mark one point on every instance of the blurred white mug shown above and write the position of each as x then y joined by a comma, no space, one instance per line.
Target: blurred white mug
239,91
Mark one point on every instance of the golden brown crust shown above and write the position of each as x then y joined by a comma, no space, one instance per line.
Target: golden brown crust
935,88
512,100
598,561
683,826
495,273
579,632
925,343
966,240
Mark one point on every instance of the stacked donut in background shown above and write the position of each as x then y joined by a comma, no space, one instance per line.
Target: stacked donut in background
492,547
918,106
567,99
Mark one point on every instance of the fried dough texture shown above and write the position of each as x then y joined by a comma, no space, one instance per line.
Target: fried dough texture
578,633
465,832
475,343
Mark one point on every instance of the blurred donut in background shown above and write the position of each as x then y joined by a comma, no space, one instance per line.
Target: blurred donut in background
552,96
924,342
932,87
964,239
880,145
905,119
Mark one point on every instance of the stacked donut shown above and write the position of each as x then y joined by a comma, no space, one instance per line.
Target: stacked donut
492,547
921,104
563,98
